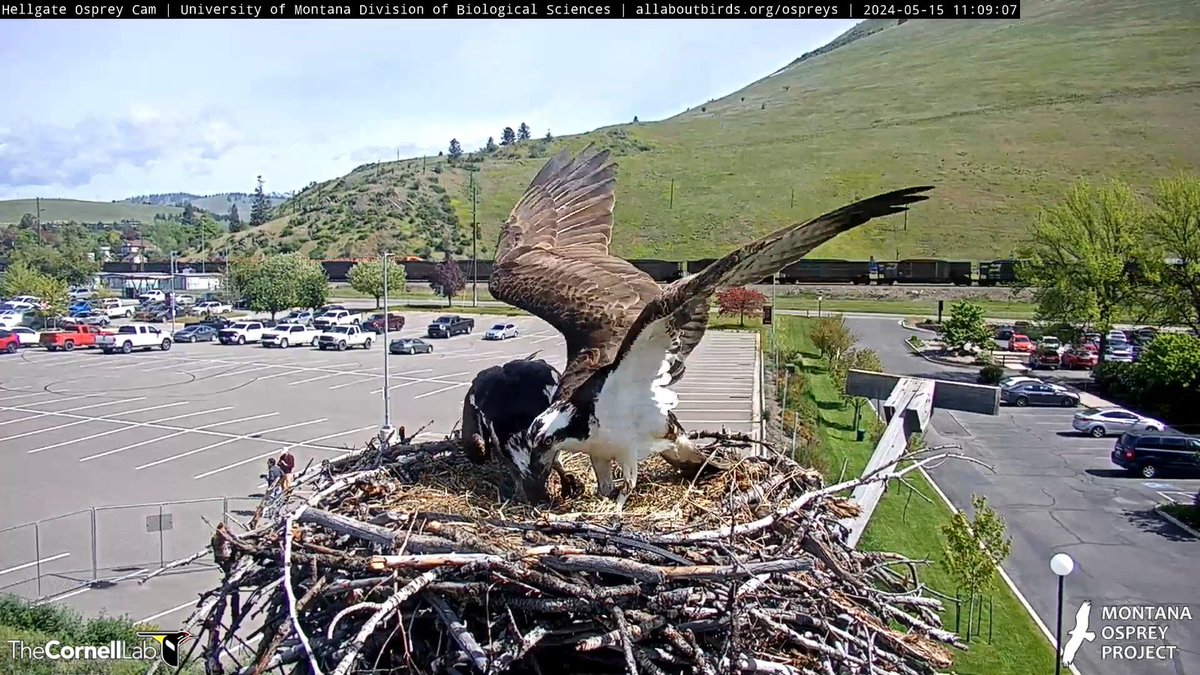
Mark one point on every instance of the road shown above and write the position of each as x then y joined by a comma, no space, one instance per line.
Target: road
1058,492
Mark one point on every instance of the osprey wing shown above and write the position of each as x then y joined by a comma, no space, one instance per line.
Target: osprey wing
762,258
552,260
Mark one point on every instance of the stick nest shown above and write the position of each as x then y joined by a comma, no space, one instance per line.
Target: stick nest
411,560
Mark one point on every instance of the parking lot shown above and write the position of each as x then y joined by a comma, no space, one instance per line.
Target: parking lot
1058,491
82,429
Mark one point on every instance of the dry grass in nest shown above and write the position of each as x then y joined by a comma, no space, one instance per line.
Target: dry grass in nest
663,498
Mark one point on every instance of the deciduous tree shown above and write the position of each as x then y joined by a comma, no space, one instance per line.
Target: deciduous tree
1083,255
1171,362
973,550
1174,229
832,338
965,327
448,279
367,278
313,289
740,302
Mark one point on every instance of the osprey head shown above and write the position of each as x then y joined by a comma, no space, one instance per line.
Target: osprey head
532,452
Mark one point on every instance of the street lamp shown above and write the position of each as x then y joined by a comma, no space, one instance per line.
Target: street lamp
819,298
386,430
171,304
1062,565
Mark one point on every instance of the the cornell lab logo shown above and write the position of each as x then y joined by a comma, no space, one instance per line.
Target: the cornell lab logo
172,642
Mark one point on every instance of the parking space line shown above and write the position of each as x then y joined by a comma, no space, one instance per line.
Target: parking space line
57,400
314,379
119,429
199,429
36,393
352,382
147,620
241,372
438,391
84,419
34,563
227,441
272,453
415,381
408,372
358,371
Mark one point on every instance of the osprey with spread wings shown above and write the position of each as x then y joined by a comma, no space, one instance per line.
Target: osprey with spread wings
628,338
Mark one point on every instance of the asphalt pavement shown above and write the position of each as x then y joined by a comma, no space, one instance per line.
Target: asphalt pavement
137,452
1059,492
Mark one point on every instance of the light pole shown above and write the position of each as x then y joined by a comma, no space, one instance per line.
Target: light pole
171,304
1062,565
819,298
387,382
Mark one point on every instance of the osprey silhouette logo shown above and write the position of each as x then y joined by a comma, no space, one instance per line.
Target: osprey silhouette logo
1079,634
171,642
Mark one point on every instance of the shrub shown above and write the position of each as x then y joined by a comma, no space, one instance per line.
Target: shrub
991,374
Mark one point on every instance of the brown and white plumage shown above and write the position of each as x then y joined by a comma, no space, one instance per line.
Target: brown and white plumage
627,338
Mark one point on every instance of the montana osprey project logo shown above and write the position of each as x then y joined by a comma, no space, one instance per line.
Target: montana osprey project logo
1079,634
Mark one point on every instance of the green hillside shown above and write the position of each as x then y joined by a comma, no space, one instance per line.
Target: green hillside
63,210
1000,115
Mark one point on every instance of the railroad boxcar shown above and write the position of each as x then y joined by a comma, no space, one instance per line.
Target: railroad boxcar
997,272
931,271
662,271
337,270
481,267
419,270
818,270
694,266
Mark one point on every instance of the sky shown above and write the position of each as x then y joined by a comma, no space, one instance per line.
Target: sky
104,110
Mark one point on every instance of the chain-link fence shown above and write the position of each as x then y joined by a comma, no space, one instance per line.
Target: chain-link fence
107,544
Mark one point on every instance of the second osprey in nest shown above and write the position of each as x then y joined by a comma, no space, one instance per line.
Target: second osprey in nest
627,337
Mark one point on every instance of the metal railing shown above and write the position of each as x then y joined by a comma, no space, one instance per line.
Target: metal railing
104,545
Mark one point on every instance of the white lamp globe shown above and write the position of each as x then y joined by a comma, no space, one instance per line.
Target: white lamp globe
1062,564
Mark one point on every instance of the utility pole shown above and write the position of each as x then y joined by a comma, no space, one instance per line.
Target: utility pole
39,219
474,248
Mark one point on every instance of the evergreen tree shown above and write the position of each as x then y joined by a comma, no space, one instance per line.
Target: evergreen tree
548,137
523,132
189,214
455,149
508,136
491,145
235,219
260,211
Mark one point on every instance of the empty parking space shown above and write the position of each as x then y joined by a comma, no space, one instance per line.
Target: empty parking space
84,429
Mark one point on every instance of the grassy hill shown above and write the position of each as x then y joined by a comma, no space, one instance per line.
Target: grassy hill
1002,116
62,210
217,203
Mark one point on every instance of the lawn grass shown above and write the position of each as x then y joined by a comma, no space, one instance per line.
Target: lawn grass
994,309
62,210
907,524
1000,115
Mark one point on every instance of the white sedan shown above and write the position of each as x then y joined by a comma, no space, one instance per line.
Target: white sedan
1015,380
502,331
1098,422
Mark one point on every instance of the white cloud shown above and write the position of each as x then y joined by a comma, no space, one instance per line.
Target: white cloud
36,154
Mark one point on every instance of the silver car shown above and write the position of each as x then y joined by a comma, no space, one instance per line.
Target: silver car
1100,422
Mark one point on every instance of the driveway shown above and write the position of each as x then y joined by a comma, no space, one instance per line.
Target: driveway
1059,492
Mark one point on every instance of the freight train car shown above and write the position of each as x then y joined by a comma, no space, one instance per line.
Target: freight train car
481,267
818,271
420,271
997,272
694,266
932,271
662,271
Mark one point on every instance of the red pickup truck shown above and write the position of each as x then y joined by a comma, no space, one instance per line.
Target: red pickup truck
71,337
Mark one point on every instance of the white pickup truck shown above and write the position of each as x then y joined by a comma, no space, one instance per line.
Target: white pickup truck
212,307
116,307
344,337
134,336
287,334
337,317
241,332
